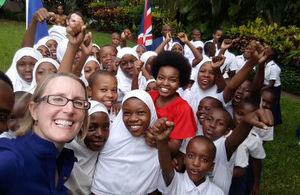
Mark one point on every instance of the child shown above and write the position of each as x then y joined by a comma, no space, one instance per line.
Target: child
216,35
147,58
20,70
196,41
87,151
216,126
115,40
43,49
251,149
171,71
103,87
151,85
199,160
267,101
18,112
140,49
126,164
90,66
129,74
107,54
6,100
41,68
95,51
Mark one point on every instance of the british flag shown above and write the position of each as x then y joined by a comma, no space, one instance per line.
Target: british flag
145,34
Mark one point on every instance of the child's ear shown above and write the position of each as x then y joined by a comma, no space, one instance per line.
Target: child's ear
227,130
89,91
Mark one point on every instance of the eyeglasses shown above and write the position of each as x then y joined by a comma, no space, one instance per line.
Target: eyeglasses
57,100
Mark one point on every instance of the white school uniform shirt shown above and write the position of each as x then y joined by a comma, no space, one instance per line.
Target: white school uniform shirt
80,180
188,52
265,135
37,64
230,57
238,63
251,146
182,184
223,170
8,134
272,72
18,83
126,164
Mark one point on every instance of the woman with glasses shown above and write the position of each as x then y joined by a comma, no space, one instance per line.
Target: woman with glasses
37,162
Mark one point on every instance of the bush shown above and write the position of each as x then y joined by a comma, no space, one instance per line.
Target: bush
284,40
290,79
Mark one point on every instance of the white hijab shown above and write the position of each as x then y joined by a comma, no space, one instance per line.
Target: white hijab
61,49
37,64
196,94
126,164
90,58
44,40
18,83
145,56
95,45
124,82
81,178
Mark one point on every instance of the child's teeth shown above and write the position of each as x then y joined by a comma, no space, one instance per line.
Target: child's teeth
164,89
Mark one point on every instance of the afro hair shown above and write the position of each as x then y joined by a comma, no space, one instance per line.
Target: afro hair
175,60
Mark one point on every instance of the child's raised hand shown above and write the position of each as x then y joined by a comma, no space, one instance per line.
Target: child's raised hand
115,109
42,14
76,33
126,34
150,139
217,62
87,44
226,44
266,54
162,128
182,37
168,37
262,118
138,64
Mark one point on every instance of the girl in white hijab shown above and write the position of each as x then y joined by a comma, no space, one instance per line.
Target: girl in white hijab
126,164
127,71
51,42
147,58
20,70
90,66
87,151
41,68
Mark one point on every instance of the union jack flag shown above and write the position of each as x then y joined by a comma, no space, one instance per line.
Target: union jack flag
145,34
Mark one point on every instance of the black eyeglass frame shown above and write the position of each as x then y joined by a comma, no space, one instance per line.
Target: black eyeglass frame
46,98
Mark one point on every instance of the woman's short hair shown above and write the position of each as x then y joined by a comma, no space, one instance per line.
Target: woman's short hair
28,121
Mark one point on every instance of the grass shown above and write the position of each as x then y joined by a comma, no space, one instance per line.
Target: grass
281,168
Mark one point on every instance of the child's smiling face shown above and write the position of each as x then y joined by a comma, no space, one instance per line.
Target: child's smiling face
167,81
136,116
206,76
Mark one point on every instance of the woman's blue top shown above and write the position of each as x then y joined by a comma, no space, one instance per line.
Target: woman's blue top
28,166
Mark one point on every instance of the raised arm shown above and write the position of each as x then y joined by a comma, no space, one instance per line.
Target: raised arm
198,56
161,130
125,35
137,67
76,34
243,74
160,48
217,62
261,118
39,16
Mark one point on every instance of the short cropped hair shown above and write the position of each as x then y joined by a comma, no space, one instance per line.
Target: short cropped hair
208,46
175,60
6,79
98,73
211,143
